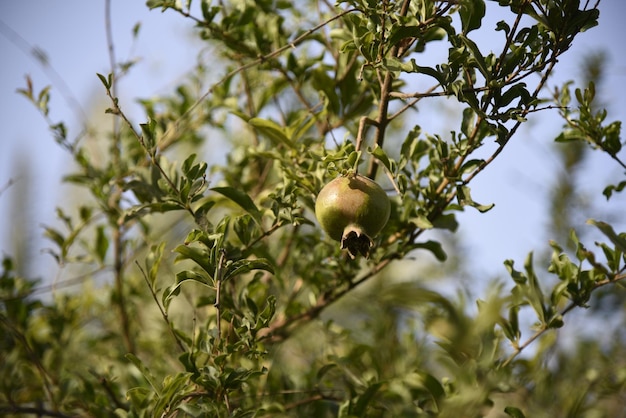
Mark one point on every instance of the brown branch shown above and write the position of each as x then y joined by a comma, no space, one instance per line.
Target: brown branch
381,120
280,329
361,132
410,104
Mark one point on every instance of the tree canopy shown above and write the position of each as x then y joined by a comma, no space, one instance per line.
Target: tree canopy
224,297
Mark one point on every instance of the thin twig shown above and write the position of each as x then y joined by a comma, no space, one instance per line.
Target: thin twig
42,59
109,390
164,314
361,132
219,275
118,229
8,184
567,309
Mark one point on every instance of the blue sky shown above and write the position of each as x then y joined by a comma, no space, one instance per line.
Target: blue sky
72,35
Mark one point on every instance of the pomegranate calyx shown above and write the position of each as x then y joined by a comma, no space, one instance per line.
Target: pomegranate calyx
356,242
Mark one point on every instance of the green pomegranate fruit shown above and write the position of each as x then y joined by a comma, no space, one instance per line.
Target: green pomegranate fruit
353,209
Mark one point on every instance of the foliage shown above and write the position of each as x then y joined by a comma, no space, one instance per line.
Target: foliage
225,298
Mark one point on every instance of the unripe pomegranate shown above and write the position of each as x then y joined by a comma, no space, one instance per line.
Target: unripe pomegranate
352,209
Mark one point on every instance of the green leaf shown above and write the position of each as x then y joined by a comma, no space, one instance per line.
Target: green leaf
102,244
608,190
43,99
139,397
381,156
534,292
364,399
412,67
144,371
469,117
149,208
472,13
465,199
447,221
479,59
618,240
245,228
244,266
106,81
182,277
434,247
199,255
516,91
517,276
271,130
433,385
54,235
174,387
243,200
325,369
470,166
514,412
422,222
148,131
511,327
153,262
188,168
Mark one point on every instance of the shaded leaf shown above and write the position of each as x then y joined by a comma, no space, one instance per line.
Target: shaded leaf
514,412
360,408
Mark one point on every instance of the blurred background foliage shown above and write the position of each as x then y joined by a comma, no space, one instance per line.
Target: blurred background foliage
193,287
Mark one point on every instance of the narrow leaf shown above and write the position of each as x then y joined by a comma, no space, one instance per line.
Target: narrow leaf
514,412
144,371
245,266
478,57
381,156
104,81
472,13
242,199
360,407
195,254
271,130
618,240
434,247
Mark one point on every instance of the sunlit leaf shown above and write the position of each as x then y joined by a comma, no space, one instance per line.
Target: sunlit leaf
242,199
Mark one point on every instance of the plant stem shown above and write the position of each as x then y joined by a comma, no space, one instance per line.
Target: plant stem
116,194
